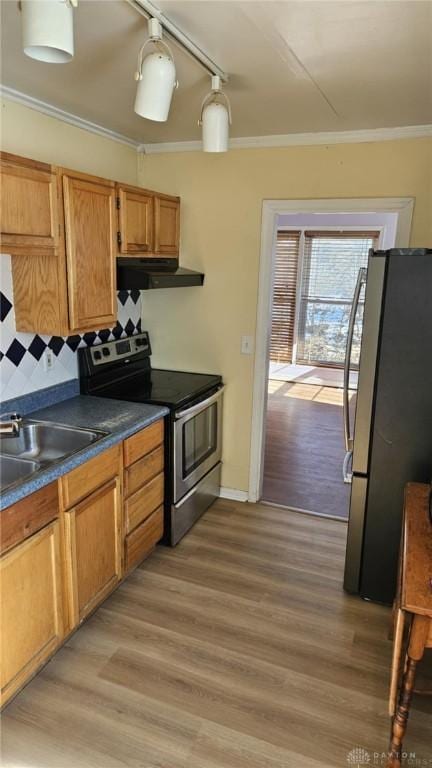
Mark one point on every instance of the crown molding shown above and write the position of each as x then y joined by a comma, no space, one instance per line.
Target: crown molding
299,139
66,117
245,142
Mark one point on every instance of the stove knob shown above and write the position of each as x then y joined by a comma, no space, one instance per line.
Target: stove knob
106,352
97,355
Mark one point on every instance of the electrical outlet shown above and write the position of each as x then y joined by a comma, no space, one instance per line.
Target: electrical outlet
246,345
49,360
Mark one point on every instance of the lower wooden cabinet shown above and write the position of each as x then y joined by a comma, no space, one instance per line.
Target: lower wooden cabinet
68,545
93,537
31,607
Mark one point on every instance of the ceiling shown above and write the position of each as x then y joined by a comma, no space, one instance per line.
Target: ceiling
293,66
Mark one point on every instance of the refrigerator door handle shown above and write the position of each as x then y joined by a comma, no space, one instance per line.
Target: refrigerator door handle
349,440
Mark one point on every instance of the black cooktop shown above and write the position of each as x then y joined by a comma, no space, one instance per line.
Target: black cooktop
162,387
122,370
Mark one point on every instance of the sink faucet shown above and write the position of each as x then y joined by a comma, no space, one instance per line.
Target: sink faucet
10,425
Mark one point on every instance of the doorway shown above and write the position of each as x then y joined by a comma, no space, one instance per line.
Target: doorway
310,280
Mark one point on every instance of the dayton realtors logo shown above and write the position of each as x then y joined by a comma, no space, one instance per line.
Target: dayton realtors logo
358,757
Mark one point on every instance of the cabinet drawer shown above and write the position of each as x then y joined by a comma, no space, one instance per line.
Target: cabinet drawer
91,475
143,470
27,516
139,506
143,442
143,539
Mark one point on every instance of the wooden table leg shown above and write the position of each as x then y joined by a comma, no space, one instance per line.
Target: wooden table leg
417,644
400,719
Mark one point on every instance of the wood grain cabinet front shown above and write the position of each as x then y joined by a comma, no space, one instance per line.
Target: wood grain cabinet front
29,207
136,220
167,225
144,481
93,545
148,223
31,607
90,230
60,227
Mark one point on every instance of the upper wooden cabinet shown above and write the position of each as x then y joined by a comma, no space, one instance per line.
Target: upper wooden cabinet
90,230
149,223
136,220
167,225
64,230
29,207
71,288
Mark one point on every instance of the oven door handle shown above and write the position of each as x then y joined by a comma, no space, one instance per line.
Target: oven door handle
195,409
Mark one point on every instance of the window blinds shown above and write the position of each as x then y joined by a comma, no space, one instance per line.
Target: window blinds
331,263
284,296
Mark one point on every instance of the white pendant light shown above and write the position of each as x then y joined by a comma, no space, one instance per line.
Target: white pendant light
215,118
47,30
156,77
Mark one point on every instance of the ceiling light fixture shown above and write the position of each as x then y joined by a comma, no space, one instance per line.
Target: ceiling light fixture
215,118
156,77
47,29
147,9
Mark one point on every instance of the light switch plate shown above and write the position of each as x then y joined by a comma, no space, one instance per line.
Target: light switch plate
247,345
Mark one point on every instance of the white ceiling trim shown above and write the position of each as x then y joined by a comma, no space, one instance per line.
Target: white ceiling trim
66,117
245,142
299,139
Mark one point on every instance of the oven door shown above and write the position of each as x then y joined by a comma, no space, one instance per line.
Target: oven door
197,442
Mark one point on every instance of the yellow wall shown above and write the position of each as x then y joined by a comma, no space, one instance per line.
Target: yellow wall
35,135
200,329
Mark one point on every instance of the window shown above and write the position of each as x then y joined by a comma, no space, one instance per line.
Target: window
331,262
284,296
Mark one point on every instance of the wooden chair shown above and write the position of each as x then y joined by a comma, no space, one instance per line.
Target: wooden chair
413,609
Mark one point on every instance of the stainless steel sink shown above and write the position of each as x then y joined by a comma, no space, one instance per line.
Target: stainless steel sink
12,470
40,444
45,442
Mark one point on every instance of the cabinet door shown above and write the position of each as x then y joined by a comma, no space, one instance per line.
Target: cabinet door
136,217
29,207
167,225
31,607
93,543
90,230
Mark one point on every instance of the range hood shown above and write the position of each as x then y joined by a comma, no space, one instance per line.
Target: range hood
146,274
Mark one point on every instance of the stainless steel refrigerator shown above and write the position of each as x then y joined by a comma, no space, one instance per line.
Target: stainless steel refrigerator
389,443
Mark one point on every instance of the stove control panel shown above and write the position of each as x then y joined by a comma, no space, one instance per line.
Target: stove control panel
123,349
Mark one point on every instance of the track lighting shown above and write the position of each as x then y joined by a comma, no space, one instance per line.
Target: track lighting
47,29
156,77
215,118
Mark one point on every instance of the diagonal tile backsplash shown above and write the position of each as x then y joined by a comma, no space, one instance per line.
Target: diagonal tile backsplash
22,358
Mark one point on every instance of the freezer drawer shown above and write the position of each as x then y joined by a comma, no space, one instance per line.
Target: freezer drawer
353,557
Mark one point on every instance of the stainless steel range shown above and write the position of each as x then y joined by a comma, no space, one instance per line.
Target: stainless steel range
193,433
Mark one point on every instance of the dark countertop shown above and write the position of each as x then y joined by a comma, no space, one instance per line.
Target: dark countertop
117,417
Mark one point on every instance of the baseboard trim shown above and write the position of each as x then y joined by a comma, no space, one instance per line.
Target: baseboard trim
233,494
303,511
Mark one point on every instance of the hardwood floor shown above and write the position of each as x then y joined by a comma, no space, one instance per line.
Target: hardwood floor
237,649
304,449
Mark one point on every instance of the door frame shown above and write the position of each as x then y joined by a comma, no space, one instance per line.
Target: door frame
271,209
